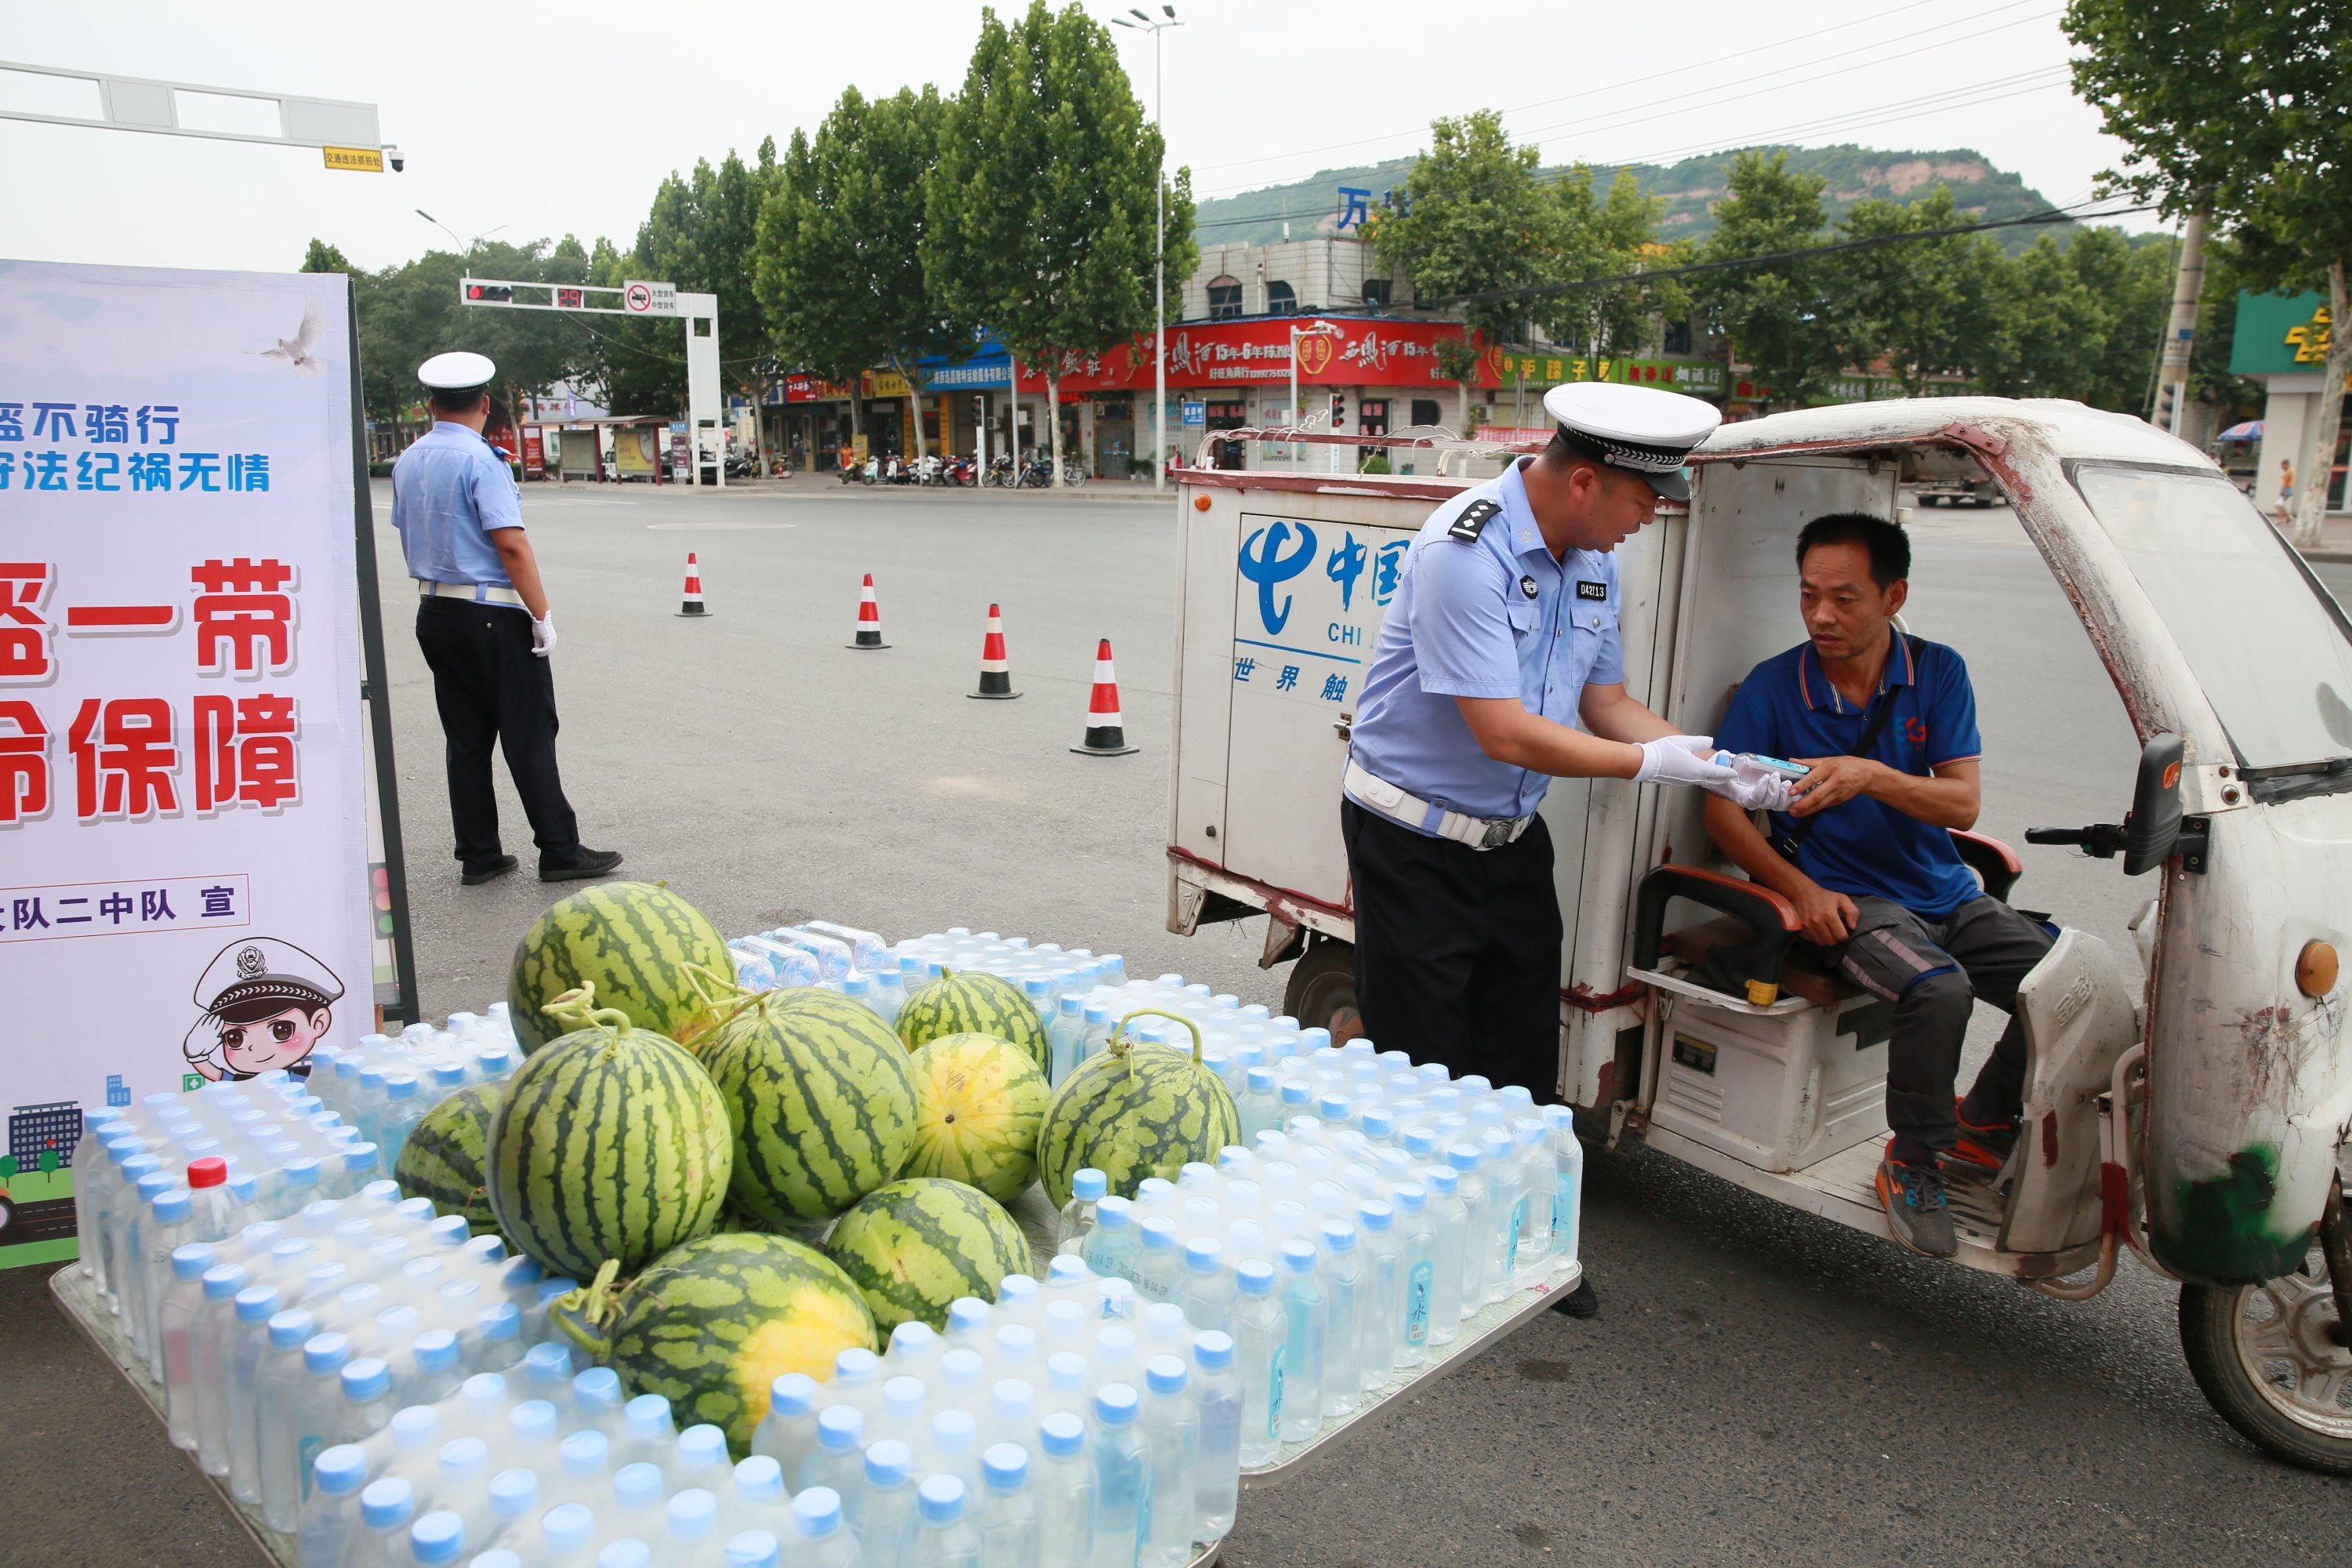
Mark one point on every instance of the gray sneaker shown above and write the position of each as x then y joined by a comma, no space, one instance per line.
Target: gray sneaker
1915,1213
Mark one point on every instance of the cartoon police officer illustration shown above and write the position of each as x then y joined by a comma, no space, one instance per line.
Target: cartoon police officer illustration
266,1003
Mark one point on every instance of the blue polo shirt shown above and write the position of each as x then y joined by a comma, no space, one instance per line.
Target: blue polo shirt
1491,616
1787,708
449,490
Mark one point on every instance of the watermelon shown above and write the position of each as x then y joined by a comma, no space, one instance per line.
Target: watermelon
914,1245
966,1002
979,1101
442,1157
611,1144
1135,1111
633,941
821,1101
713,1325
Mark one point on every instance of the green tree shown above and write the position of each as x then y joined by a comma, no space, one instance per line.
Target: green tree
7,1166
410,312
2048,328
50,1162
1920,305
2242,108
702,234
1610,237
324,257
1041,207
840,255
1783,317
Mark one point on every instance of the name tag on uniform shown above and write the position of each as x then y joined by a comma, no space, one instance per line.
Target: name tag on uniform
1590,590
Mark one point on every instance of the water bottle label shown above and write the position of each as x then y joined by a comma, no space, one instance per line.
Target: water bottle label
1273,1393
1518,1226
1563,1214
305,1453
1416,1303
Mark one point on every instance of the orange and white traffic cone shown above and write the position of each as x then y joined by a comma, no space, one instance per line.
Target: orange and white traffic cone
692,604
995,671
1106,729
869,618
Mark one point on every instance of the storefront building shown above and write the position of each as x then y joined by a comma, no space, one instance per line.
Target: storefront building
2281,341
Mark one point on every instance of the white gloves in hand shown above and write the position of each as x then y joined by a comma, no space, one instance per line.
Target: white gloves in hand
542,635
1683,759
1754,788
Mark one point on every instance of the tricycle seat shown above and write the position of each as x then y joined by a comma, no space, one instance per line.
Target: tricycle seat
1693,946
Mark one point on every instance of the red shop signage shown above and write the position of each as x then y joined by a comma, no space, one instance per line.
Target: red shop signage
1354,353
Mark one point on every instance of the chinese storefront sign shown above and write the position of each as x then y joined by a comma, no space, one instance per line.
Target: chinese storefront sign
182,802
1356,351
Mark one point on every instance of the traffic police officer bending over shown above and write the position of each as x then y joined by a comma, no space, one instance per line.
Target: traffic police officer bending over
484,625
1502,636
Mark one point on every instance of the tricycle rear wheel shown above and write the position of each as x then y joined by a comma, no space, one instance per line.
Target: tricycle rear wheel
2272,1361
1322,990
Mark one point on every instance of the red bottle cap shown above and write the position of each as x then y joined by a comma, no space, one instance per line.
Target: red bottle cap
209,1172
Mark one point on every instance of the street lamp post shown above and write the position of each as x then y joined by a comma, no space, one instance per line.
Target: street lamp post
1155,27
479,239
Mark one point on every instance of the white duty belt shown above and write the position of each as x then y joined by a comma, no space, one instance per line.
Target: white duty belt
473,592
1426,817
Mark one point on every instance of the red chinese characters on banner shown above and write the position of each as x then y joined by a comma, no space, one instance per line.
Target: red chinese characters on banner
124,755
24,763
25,632
245,752
241,608
1350,353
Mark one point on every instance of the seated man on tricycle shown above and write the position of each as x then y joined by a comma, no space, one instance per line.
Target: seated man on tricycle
1886,725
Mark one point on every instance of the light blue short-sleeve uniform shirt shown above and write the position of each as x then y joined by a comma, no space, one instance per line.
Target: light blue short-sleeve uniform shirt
1491,616
449,490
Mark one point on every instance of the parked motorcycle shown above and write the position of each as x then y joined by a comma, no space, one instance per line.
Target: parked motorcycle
1000,474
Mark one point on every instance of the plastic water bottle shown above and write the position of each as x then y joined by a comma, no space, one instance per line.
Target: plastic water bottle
330,1519
884,1517
1416,1274
1097,1032
1122,1479
942,1539
1088,1186
387,1507
693,1521
1066,1039
1568,1181
157,1233
1170,1425
1449,1225
821,1540
954,1447
190,1263
1506,1211
1339,1270
208,1334
1261,1340
215,1211
1306,1325
567,1536
1064,1482
437,1539
1006,1521
1159,1265
1207,1294
859,989
405,1107
1217,1401
753,1548
241,1357
1110,1247
1379,1297
787,1433
838,1460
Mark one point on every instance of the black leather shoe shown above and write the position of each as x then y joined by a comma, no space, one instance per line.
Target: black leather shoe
474,876
579,866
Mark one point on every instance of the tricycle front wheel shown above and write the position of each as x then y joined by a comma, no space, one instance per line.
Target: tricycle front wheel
2272,1361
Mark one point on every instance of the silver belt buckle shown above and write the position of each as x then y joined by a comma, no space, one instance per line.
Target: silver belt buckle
1498,834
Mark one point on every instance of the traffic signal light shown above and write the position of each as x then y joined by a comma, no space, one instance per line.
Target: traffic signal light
489,294
569,300
979,407
1338,410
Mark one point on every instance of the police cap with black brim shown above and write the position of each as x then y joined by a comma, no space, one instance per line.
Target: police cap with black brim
1640,429
457,372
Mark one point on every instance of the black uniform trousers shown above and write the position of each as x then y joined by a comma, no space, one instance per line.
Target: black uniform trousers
1457,949
1934,972
492,690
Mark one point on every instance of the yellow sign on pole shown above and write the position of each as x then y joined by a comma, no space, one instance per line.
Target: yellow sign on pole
357,160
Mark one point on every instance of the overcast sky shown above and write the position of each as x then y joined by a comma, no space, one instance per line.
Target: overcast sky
527,123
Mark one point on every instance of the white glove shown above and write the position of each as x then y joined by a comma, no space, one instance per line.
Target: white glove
542,635
1754,788
1681,759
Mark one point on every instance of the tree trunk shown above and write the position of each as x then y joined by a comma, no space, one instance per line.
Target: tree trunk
1053,417
2317,472
914,407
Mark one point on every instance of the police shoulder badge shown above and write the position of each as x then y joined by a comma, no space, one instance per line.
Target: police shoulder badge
1475,519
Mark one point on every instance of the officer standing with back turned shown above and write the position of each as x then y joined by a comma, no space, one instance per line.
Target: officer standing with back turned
484,625
1502,639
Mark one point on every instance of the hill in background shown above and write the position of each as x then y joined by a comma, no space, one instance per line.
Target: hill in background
1690,187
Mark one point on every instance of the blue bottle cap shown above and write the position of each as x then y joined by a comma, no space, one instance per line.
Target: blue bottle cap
568,1526
359,1158
1411,1197
1067,1269
1204,1255
366,1378
190,1259
816,1512
255,1303
1443,1180
462,1459
451,1230
954,1432
1096,1014
940,1499
487,1251
1339,1235
1066,1371
513,1493
531,1422
839,1427
1060,1435
854,1366
1213,1350
1375,1215
639,1485
385,1504
693,1514
1016,1342
752,1549
1254,1276
1295,1091
171,1204
598,1388
553,1290
339,1470
647,1417
548,1361
792,1394
1112,1214
903,1398
1164,1374
435,1349
1159,1233
967,1314
496,1557
323,1354
1298,1257
1115,1406
290,1328
584,1453
502,1321
760,1477
888,1462
627,1552
1004,1467
1071,1006
702,1446
1377,1124
439,1537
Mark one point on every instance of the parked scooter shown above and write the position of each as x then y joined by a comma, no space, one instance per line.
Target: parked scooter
1000,474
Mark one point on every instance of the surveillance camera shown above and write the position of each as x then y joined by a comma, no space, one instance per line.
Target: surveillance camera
393,156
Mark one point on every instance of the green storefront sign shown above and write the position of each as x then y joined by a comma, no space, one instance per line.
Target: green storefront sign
1551,369
2280,335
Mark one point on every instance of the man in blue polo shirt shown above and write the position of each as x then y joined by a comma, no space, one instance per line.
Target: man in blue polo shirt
1888,725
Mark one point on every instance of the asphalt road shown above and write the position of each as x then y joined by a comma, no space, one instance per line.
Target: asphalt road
1760,1387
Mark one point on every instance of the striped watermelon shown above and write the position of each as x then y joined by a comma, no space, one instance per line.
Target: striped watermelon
967,1002
821,1100
1133,1111
914,1245
979,1103
442,1157
610,1144
713,1325
632,941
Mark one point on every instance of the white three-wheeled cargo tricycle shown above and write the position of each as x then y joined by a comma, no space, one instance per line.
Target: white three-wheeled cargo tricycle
2198,1123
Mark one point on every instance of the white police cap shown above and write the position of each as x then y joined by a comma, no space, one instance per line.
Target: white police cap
1638,428
253,977
457,371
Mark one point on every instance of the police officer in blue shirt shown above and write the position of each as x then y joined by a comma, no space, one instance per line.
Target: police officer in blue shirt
1887,725
1502,639
484,625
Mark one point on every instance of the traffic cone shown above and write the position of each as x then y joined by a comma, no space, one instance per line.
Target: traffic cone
1106,731
995,673
692,604
869,618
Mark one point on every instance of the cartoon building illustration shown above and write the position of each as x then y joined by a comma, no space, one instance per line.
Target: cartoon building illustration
34,1128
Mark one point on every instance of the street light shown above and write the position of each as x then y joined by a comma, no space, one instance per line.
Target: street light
1155,27
445,228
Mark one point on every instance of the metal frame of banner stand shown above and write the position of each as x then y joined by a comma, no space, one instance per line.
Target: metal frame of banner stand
79,1298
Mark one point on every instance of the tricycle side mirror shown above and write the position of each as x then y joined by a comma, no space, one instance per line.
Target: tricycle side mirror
2155,824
